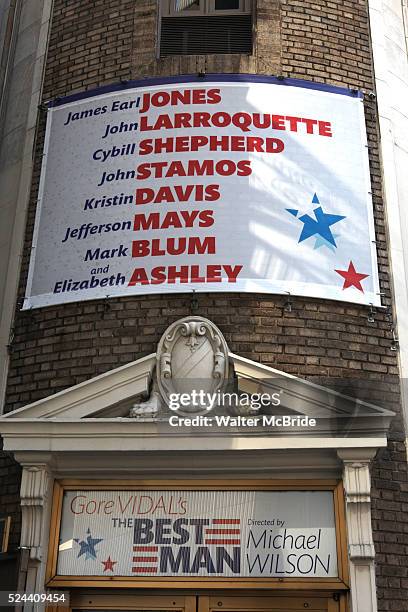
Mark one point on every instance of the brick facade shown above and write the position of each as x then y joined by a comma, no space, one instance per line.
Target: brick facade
102,41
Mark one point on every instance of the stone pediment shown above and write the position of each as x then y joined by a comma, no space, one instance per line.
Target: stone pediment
133,398
338,413
94,397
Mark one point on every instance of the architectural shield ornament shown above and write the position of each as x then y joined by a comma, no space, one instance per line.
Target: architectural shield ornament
192,355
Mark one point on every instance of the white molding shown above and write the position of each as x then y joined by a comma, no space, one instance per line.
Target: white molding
36,501
81,418
34,489
301,390
357,486
94,395
291,463
100,393
126,435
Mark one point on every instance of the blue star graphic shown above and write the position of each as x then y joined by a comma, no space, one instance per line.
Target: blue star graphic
323,242
319,226
88,546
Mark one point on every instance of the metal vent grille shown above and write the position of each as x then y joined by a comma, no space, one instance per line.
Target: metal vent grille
206,34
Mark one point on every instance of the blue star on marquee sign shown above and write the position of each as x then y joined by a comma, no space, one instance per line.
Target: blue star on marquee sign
319,226
88,546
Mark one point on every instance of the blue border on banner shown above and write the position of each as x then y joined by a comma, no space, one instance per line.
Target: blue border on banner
194,78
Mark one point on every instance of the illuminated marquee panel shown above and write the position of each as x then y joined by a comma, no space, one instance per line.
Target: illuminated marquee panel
230,183
213,534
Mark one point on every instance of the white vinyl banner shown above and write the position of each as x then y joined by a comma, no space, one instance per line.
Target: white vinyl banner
260,534
211,185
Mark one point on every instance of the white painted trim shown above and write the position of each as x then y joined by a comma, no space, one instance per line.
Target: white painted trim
124,435
92,395
292,463
97,394
245,368
36,500
357,488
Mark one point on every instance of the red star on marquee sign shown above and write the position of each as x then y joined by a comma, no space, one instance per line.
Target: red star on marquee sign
108,564
351,277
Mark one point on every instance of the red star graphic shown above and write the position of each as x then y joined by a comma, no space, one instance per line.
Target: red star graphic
108,564
351,277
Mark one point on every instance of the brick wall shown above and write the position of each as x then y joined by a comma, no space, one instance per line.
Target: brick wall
101,41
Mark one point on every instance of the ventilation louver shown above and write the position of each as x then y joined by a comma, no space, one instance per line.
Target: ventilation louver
205,35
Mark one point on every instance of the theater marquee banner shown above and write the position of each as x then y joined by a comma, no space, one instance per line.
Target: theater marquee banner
226,183
230,534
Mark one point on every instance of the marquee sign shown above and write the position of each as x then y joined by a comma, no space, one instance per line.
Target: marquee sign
230,534
219,184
